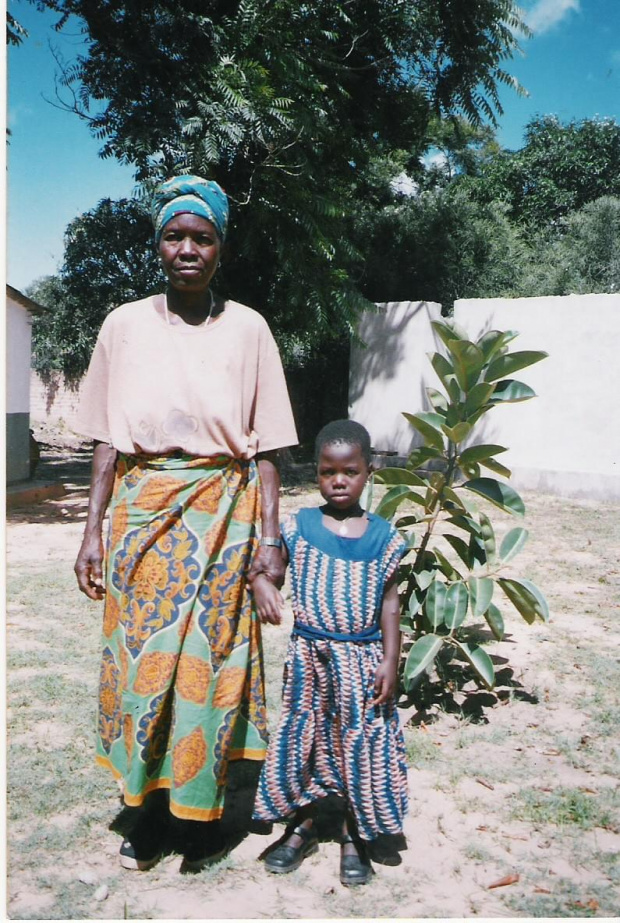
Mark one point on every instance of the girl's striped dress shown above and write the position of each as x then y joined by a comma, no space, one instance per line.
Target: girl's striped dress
330,739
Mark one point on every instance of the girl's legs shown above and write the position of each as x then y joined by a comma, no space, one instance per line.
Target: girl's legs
355,867
300,840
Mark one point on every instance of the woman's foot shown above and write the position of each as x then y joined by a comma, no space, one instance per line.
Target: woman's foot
355,867
299,842
204,844
142,848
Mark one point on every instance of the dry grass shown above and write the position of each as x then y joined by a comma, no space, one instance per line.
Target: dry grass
521,782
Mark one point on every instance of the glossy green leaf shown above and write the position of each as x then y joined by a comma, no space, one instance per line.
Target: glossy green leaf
493,340
495,621
446,567
471,470
448,333
399,476
468,361
457,433
465,522
480,661
424,578
435,603
498,493
452,497
443,369
455,609
422,655
511,392
477,453
420,455
526,598
392,499
480,594
404,521
496,467
488,537
414,606
478,396
477,551
512,362
437,399
512,543
428,425
454,390
461,548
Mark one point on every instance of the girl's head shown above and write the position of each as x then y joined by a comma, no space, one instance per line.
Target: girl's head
343,455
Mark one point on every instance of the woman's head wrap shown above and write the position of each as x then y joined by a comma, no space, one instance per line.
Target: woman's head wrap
192,194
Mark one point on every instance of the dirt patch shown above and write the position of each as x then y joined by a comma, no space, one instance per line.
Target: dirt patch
514,794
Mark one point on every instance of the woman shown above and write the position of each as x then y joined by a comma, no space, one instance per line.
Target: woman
186,401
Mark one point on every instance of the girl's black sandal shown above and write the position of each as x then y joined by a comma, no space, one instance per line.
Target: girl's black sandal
355,870
285,858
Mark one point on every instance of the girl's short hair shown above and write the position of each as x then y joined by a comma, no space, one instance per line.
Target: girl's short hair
344,431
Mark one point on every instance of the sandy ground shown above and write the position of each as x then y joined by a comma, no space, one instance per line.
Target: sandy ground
465,853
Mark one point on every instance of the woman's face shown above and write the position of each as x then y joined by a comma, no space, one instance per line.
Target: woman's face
189,249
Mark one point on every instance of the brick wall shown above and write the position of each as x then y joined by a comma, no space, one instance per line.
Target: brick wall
53,398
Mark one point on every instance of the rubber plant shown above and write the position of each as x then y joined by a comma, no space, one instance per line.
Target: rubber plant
440,487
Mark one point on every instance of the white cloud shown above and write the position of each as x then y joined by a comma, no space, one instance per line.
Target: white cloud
545,14
404,185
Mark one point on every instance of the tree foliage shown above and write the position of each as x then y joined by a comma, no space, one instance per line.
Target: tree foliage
286,104
455,568
109,259
559,169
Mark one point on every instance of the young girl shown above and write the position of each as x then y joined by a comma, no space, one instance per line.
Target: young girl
339,731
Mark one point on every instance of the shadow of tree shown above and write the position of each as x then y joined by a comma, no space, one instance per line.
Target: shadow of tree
449,688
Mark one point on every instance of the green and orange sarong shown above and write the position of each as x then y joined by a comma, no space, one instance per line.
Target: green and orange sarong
182,684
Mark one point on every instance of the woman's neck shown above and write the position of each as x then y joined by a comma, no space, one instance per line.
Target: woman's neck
193,307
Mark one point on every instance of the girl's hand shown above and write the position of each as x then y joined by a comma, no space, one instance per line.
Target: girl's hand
268,600
385,682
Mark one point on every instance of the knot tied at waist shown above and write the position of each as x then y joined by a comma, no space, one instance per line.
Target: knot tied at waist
365,636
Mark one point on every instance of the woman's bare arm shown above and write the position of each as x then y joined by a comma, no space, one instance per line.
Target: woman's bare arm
89,564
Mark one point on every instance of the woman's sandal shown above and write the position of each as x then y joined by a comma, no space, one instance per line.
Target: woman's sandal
354,870
285,858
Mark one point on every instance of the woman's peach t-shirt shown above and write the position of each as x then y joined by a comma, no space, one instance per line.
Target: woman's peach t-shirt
156,384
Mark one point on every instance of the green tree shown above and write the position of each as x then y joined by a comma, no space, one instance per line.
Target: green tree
109,259
559,169
287,105
456,567
585,257
438,246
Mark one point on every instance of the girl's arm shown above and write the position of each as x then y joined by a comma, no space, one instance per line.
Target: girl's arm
89,564
268,600
385,677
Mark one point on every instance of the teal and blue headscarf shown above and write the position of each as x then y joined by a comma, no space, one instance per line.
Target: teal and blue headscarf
192,194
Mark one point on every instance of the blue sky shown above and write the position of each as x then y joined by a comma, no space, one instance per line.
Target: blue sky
571,69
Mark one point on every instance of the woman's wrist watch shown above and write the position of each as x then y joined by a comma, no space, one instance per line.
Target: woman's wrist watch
271,542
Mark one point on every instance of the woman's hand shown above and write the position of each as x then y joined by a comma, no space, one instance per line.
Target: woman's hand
268,600
269,561
385,681
89,567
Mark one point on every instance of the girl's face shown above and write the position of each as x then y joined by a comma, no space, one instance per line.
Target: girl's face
342,472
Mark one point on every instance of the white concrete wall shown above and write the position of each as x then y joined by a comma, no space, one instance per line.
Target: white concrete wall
18,340
389,375
567,439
